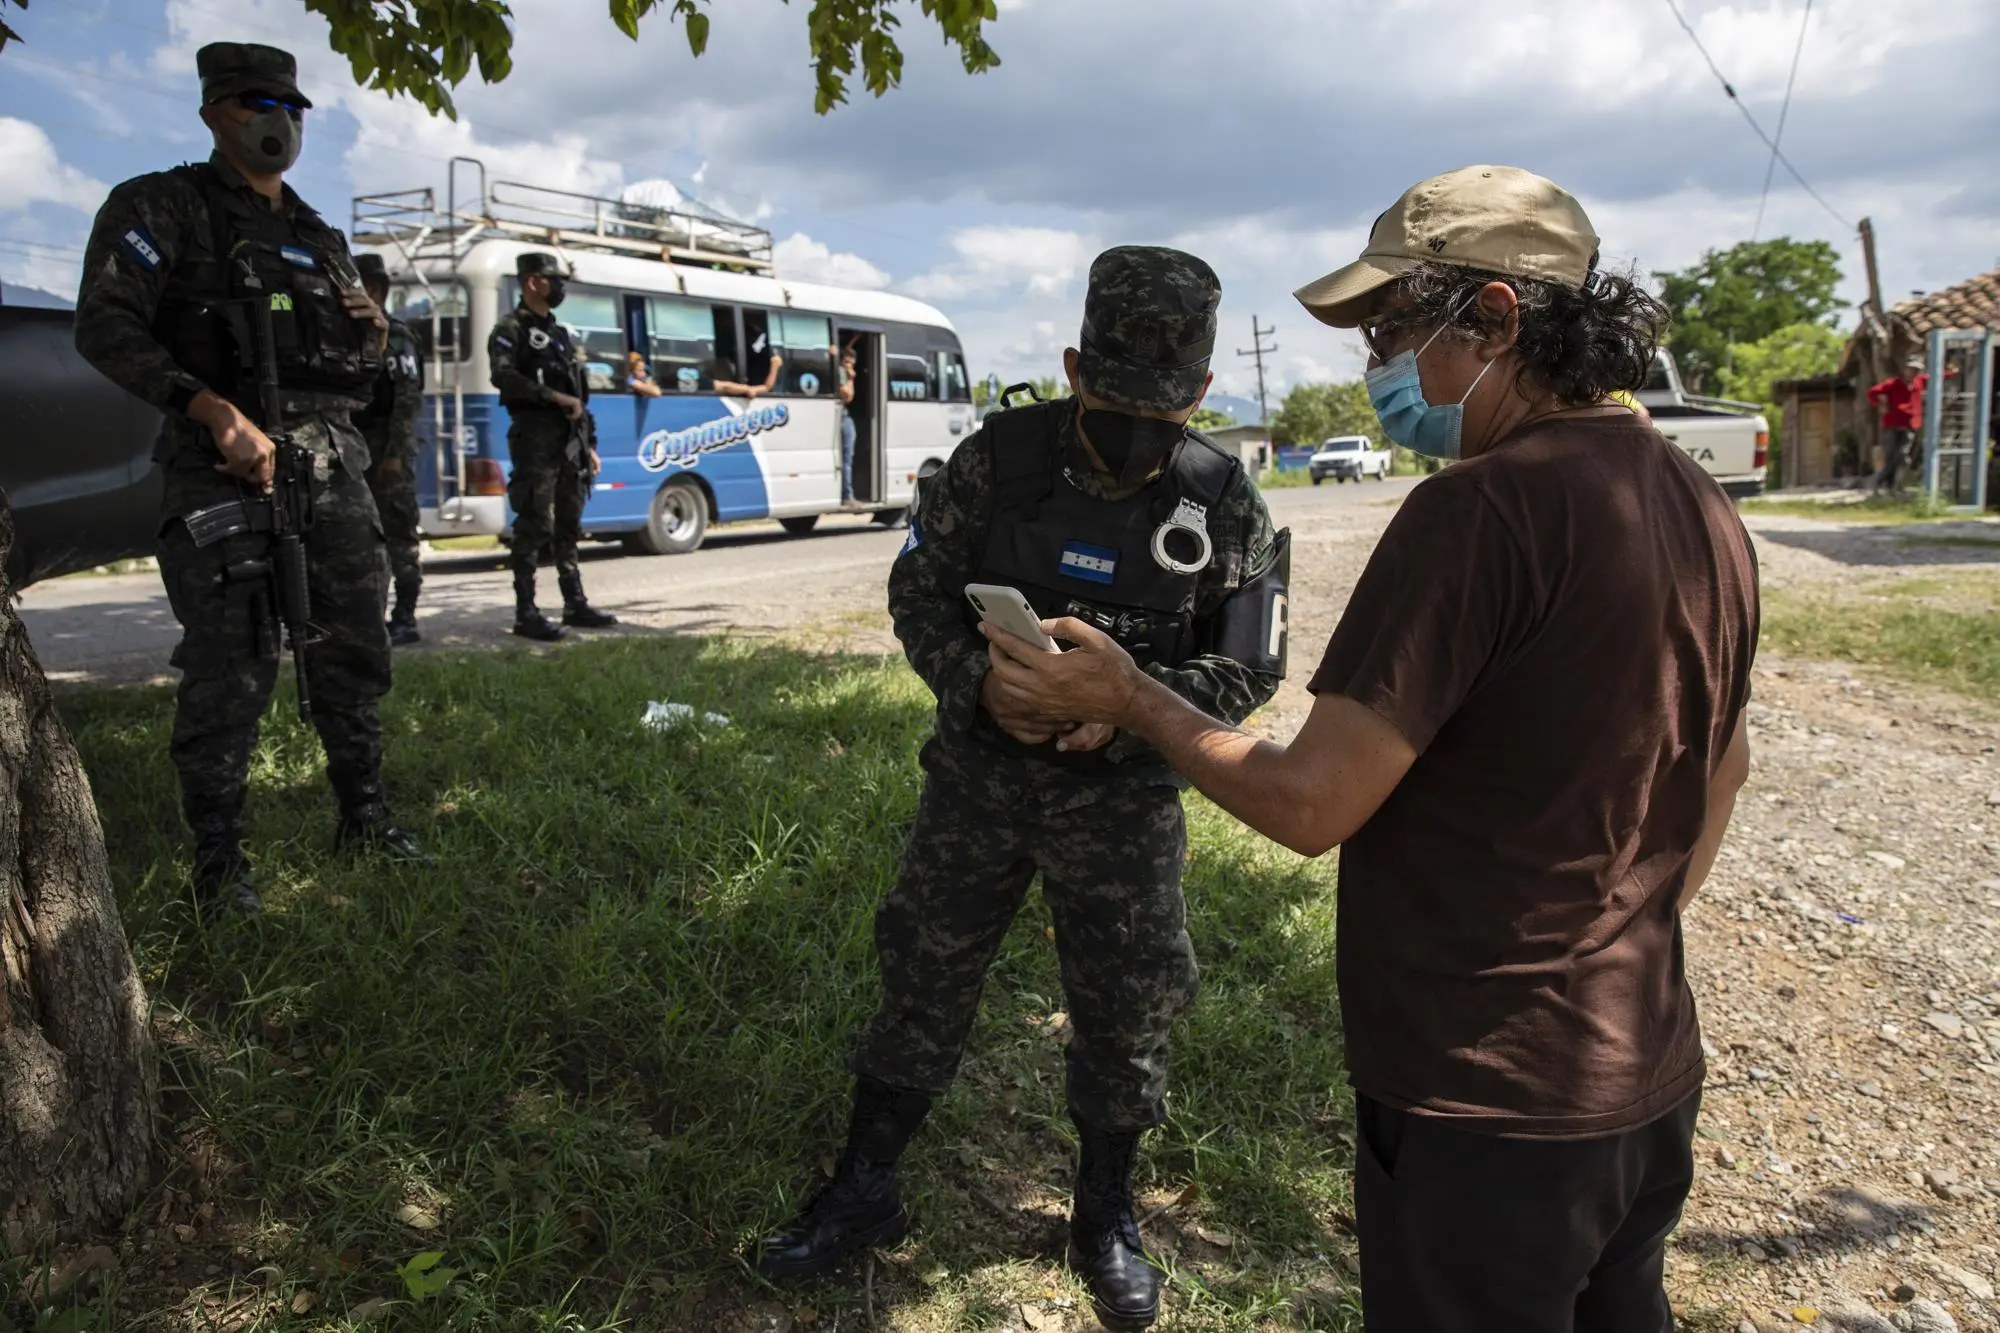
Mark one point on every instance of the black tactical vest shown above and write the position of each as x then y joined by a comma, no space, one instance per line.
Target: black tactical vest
546,356
320,347
1075,554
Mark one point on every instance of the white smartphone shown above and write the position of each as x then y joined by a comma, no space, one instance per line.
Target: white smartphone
1005,608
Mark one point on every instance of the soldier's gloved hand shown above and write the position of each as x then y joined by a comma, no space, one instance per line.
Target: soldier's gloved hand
1023,728
571,405
246,451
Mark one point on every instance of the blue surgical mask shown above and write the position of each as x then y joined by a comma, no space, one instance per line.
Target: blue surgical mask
1397,392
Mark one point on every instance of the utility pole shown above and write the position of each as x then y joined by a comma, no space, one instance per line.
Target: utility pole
1258,352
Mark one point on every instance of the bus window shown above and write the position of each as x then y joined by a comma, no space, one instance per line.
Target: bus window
681,335
411,303
591,315
757,345
910,368
805,341
953,386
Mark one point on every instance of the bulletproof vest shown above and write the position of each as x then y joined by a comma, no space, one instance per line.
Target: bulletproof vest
399,364
1075,554
320,347
547,356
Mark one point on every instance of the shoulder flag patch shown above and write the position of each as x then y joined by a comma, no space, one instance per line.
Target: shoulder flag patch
1092,564
298,258
913,541
139,243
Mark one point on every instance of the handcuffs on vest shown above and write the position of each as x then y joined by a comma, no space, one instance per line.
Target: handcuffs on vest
1191,518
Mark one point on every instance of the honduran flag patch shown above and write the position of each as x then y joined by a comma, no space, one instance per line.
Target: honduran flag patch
1092,564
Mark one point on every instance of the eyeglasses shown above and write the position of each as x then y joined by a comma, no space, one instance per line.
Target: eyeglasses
258,104
1380,333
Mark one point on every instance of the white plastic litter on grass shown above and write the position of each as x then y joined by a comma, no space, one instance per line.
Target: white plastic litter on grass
666,716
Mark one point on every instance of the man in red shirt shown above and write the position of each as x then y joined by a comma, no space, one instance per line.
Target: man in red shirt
1527,740
1902,402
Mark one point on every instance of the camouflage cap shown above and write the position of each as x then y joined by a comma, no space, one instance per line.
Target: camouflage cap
1148,327
372,268
245,67
540,263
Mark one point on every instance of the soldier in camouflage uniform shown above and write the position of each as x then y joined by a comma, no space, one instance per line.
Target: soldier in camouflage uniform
390,426
552,440
1104,506
172,260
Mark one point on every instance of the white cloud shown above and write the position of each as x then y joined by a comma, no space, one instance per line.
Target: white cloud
800,257
32,173
994,260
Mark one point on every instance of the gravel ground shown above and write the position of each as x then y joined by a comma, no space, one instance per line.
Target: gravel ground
1843,954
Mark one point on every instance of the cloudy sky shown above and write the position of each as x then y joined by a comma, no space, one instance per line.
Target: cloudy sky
1265,135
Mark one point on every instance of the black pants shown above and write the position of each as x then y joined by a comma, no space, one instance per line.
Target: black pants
1469,1233
1895,448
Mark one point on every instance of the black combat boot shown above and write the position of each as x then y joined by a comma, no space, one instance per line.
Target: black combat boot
577,609
221,875
403,617
364,822
860,1206
529,622
1104,1245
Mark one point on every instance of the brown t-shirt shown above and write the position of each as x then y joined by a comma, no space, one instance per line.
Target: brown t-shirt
1562,628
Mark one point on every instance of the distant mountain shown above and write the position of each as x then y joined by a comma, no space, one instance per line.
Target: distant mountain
35,299
1243,409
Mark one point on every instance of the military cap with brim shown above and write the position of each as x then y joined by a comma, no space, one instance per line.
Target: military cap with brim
539,263
1496,219
227,68
372,268
1148,327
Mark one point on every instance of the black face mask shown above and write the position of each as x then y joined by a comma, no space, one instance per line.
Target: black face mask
1131,446
557,290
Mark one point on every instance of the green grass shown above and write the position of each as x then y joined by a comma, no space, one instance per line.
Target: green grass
602,1044
1868,509
1942,631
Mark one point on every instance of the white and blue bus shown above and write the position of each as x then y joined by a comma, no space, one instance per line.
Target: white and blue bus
695,297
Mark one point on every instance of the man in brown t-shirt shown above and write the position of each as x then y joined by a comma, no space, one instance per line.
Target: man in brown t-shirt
1527,739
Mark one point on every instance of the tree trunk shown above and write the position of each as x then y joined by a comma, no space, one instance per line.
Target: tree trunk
77,1081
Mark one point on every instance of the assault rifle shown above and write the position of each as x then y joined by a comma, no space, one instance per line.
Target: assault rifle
285,597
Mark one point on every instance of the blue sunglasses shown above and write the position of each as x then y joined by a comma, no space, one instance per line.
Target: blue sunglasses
258,104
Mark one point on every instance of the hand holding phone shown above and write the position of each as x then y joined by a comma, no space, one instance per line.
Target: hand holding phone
1005,608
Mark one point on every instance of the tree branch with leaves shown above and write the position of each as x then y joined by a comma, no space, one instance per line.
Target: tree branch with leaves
423,49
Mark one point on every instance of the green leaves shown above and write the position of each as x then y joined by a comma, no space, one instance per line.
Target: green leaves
1744,294
1315,412
7,34
422,1277
420,48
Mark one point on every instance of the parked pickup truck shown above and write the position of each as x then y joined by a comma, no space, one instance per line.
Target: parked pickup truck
1348,457
1729,439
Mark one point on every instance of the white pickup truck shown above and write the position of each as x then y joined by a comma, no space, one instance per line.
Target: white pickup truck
1349,456
1730,440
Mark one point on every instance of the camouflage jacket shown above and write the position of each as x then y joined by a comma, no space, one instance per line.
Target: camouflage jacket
946,548
143,244
523,351
391,427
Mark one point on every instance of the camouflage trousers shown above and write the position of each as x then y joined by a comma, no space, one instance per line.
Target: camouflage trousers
1110,860
547,489
396,504
229,663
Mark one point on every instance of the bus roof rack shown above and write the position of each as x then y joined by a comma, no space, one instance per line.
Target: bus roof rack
687,232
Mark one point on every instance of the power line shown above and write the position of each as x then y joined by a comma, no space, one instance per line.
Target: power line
1751,120
1784,110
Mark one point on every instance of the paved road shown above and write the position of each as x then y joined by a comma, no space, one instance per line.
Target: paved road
747,578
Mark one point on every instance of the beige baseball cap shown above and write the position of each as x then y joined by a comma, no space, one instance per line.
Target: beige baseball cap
1500,219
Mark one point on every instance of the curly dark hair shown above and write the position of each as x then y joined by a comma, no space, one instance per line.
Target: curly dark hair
1578,344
